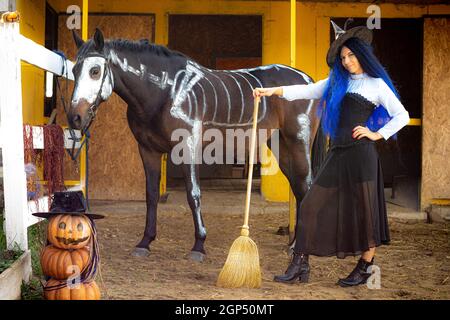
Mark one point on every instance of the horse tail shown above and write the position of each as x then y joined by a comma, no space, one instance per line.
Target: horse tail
319,150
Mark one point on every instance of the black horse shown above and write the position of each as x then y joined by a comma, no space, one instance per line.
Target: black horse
165,91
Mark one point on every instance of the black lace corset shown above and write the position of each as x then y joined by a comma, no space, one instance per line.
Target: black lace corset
355,111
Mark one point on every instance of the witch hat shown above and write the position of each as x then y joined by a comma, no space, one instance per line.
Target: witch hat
68,202
342,35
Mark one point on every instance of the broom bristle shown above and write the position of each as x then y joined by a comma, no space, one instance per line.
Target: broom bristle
241,268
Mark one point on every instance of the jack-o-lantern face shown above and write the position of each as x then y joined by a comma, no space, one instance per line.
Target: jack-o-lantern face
67,231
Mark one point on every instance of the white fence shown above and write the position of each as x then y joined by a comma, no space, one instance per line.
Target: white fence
13,48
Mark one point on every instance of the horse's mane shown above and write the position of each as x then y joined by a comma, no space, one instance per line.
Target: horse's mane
141,46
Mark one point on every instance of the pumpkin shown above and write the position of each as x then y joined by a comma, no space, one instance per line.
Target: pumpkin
67,231
57,263
83,291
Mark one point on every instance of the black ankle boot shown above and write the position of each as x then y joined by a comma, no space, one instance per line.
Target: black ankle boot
358,276
297,269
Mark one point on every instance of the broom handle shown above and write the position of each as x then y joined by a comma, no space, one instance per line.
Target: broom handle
250,168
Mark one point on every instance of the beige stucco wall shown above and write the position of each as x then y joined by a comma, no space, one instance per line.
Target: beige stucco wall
436,111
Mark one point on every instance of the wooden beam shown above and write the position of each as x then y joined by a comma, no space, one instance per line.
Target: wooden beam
43,58
292,200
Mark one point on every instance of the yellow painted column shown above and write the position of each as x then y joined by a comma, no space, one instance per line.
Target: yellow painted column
293,32
163,179
275,187
292,200
83,155
84,29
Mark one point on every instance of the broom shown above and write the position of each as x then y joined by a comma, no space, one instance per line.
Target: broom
241,268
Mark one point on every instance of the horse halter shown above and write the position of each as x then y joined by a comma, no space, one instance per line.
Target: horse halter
92,110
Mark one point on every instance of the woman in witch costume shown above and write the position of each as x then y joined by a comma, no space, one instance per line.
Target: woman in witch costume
344,211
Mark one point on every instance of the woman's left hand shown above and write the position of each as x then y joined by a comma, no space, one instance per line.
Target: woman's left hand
361,132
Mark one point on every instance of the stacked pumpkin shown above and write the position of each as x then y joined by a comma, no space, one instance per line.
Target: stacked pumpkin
71,258
67,258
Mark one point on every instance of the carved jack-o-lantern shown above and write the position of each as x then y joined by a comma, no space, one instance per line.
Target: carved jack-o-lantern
67,231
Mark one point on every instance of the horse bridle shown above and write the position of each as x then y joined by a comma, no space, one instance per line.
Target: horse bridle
92,110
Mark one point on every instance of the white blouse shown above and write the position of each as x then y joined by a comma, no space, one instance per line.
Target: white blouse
373,89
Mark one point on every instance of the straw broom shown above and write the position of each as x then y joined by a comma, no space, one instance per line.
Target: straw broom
241,268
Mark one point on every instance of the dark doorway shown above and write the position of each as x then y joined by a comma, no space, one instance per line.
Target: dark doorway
398,46
223,42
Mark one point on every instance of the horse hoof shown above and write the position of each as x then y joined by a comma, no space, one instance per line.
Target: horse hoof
197,256
140,252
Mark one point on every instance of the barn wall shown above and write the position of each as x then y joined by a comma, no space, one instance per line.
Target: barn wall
436,111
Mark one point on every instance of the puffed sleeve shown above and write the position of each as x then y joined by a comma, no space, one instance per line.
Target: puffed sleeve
400,117
305,91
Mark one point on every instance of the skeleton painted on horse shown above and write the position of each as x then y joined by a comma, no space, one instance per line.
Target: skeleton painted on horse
165,91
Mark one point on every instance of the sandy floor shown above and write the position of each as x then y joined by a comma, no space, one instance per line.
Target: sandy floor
415,266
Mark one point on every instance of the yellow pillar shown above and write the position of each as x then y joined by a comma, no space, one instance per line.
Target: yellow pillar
163,180
83,158
84,30
292,201
275,187
293,32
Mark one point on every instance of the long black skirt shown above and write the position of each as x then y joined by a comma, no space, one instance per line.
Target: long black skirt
344,211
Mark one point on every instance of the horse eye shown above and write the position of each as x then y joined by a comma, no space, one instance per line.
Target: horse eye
62,225
80,227
94,72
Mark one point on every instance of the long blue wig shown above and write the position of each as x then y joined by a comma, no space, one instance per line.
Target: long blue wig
337,85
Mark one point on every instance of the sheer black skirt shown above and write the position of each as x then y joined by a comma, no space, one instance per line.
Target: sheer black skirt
344,212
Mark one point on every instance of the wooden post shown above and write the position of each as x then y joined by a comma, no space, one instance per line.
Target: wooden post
163,179
84,30
14,178
14,48
83,155
292,201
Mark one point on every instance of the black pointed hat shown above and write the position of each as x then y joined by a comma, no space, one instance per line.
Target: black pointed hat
342,35
68,202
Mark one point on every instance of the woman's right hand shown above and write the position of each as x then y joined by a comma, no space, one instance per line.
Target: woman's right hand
267,92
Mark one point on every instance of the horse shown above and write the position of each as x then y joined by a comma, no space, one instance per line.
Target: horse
165,90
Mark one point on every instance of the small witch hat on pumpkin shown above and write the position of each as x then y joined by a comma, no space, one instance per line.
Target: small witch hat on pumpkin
68,202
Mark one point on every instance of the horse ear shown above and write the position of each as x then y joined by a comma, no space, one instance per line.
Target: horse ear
98,40
78,41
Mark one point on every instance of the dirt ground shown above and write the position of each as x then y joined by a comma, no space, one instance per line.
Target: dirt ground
415,266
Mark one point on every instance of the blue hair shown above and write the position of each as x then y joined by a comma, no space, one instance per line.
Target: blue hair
330,104
337,86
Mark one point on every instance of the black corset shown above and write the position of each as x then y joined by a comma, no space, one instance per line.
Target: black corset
355,111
